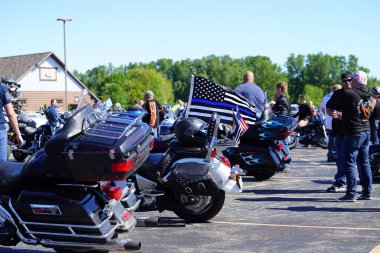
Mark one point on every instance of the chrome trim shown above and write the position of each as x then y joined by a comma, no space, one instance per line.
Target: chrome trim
115,225
134,207
118,245
79,185
51,208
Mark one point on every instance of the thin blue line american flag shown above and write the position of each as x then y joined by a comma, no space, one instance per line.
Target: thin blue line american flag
207,97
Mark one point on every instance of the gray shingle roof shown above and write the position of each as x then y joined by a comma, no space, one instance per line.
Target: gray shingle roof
17,66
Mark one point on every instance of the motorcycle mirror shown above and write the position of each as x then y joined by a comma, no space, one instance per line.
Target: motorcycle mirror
109,103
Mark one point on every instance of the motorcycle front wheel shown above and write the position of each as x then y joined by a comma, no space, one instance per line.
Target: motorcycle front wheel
323,141
293,141
199,208
19,156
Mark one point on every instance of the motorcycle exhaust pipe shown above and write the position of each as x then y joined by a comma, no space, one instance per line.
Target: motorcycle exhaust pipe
132,245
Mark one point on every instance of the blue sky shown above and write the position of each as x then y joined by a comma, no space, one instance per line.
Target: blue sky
124,31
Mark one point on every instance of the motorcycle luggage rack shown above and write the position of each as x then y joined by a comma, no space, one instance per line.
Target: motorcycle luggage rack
111,128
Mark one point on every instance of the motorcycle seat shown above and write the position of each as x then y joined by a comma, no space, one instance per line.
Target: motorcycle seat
151,167
9,175
28,130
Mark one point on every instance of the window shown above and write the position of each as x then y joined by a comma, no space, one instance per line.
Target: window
48,74
22,101
59,101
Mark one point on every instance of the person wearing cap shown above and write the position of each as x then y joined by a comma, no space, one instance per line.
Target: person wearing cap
375,91
356,138
152,108
6,103
332,108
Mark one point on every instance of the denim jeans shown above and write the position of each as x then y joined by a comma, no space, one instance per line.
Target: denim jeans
287,150
373,127
340,176
355,150
331,148
3,144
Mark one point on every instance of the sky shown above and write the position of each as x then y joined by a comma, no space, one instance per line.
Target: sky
129,31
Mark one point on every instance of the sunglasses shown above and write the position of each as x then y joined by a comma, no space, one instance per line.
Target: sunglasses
347,80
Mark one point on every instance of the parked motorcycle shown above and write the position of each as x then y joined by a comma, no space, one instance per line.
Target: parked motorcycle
192,176
34,137
261,151
67,197
314,133
374,159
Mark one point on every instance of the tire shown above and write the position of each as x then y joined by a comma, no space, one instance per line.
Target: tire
323,142
19,156
293,141
262,175
195,214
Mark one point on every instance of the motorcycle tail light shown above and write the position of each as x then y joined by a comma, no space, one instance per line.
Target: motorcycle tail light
114,192
127,216
286,133
213,153
123,166
225,160
285,158
279,146
152,144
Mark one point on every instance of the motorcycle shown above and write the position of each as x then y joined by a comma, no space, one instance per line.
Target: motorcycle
262,151
68,196
34,137
374,160
314,133
192,176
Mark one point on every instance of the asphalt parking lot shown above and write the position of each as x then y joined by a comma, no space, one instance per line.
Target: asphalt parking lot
291,212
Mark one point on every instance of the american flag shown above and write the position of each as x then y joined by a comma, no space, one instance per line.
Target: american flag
241,125
207,97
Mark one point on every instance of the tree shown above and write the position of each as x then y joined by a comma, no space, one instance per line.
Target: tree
313,93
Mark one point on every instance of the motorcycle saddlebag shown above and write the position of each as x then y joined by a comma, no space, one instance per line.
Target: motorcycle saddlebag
194,178
63,214
111,149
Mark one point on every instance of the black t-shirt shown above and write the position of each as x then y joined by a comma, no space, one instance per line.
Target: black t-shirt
337,124
303,112
348,103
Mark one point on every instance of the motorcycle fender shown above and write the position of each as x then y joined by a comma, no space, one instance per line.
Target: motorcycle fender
220,169
144,183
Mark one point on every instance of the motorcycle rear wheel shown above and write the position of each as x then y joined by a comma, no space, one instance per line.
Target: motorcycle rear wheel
323,142
19,156
293,141
200,209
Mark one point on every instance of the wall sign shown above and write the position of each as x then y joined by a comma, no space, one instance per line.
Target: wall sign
48,74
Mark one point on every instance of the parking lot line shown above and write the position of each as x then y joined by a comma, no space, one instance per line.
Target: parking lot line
295,226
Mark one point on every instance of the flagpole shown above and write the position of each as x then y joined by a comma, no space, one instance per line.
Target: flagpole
190,96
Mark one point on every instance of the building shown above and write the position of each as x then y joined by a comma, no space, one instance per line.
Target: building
42,78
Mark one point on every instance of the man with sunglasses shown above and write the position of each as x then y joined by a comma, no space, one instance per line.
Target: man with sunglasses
332,109
356,139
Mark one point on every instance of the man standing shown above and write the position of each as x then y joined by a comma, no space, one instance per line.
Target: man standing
253,93
331,154
152,109
332,106
53,109
354,104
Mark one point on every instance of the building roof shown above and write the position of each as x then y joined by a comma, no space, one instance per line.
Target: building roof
18,66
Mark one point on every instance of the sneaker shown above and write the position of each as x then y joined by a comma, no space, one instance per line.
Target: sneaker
337,188
364,197
346,198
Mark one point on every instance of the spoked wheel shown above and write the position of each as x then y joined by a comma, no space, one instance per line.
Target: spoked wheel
19,156
262,175
323,141
199,208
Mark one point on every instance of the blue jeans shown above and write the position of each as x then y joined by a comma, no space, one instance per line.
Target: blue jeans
373,127
287,150
3,144
355,150
331,148
340,176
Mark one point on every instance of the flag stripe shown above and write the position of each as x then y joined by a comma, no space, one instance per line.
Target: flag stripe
222,104
195,107
208,114
238,98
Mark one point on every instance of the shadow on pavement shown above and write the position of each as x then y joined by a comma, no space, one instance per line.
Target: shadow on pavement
327,182
286,199
327,209
14,250
285,191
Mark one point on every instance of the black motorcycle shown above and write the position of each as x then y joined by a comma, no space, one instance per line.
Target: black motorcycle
262,151
66,197
374,159
314,133
34,137
191,177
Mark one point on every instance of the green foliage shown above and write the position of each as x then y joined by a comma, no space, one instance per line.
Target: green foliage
314,94
313,74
